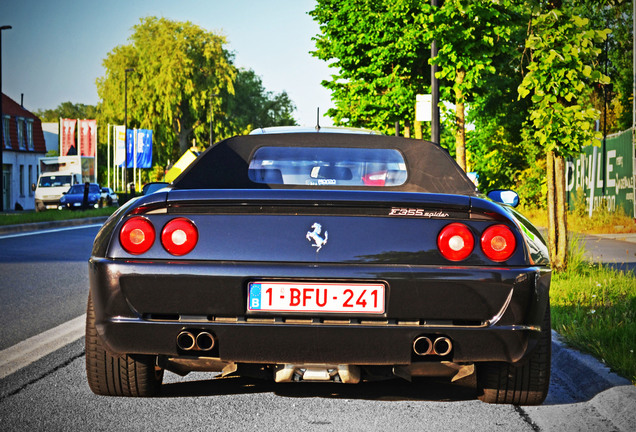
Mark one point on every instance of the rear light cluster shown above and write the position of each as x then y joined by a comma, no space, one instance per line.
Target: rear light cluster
456,242
179,236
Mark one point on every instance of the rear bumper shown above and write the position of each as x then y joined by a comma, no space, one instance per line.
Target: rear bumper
490,314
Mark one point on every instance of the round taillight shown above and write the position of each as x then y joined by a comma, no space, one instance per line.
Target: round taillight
455,242
137,235
498,243
179,236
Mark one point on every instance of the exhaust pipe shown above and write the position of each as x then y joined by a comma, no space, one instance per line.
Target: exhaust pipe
186,341
205,341
442,346
422,346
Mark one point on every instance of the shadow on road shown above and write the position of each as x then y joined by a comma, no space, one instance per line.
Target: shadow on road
392,390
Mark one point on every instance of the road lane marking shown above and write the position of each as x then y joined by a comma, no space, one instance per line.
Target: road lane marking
48,231
28,351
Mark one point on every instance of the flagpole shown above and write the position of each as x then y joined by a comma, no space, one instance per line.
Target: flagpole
94,141
107,155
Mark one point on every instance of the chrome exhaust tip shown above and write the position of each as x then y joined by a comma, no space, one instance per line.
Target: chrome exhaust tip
205,341
442,346
186,341
422,346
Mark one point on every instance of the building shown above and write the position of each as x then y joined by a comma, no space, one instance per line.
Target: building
52,137
23,146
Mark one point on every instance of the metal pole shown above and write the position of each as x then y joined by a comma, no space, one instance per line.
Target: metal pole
435,133
212,96
6,27
126,127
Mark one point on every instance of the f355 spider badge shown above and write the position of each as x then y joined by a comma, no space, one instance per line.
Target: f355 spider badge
314,236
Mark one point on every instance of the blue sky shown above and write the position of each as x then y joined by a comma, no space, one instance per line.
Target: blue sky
55,49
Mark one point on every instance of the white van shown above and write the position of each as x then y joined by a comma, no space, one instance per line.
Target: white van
50,188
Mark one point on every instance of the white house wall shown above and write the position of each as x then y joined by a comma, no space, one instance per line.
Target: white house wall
23,196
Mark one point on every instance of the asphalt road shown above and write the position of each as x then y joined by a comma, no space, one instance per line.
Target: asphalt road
615,250
43,283
44,280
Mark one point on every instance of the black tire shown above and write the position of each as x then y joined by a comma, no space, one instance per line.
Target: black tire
525,384
123,375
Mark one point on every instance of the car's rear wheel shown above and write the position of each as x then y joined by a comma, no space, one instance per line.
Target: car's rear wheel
526,384
118,375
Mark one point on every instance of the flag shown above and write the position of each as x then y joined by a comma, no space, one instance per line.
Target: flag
68,137
88,137
144,148
120,146
130,149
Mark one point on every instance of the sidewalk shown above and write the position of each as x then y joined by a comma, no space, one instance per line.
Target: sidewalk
9,229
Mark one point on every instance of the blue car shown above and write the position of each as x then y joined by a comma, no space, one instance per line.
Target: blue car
73,198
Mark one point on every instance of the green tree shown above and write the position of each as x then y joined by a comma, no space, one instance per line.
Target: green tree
563,52
616,59
475,40
379,54
253,106
178,66
68,110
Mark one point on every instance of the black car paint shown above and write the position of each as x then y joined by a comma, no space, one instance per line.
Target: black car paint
145,301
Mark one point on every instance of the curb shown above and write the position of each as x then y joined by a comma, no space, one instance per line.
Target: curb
9,229
585,373
626,237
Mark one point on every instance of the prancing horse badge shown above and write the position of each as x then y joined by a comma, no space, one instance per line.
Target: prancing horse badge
314,236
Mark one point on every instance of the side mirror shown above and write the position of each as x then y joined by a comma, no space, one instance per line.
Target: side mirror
33,187
507,197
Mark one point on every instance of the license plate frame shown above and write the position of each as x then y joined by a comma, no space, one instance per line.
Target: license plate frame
364,298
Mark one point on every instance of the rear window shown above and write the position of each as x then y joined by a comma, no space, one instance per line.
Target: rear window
328,166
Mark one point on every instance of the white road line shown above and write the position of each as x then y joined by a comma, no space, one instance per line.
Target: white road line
48,231
26,352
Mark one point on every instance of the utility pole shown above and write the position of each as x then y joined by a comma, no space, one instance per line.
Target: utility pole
435,133
6,27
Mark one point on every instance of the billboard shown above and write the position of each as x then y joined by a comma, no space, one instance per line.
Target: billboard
605,174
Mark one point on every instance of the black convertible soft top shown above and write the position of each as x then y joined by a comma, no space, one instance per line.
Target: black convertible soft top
225,165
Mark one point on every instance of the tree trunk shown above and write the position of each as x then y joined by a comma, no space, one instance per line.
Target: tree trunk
561,213
557,212
460,134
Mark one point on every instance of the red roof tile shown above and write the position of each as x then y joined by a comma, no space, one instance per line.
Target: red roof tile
13,109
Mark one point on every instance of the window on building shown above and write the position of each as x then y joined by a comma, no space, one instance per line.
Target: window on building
29,134
21,180
19,122
5,131
30,180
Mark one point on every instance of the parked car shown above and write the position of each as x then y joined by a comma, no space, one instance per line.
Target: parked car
109,197
74,197
335,257
152,187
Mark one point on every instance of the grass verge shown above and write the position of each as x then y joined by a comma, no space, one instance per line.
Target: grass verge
594,309
601,222
52,215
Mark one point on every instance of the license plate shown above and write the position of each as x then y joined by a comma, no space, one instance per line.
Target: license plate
77,204
316,297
